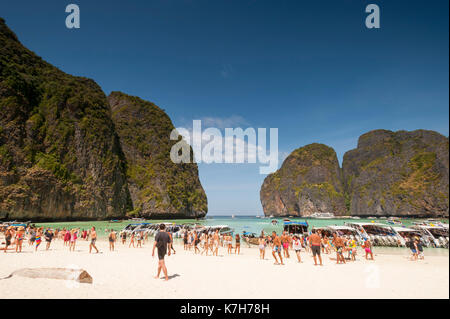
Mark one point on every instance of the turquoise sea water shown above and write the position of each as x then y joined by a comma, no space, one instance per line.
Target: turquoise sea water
246,223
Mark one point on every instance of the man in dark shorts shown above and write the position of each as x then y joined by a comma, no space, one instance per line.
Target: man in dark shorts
163,243
315,242
48,238
93,240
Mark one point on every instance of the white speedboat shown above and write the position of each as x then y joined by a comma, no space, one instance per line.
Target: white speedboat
322,215
379,234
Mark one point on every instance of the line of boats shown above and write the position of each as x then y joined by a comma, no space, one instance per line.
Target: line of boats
431,233
176,230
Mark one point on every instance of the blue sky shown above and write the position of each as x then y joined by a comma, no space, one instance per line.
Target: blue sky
309,68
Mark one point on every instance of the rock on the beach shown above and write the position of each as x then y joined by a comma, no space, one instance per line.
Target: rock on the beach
78,275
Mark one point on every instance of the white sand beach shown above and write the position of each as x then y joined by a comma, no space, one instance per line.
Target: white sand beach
128,273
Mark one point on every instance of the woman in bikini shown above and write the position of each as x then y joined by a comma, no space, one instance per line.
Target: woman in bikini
230,244
205,244
285,244
262,246
139,239
19,239
368,248
131,240
297,245
216,243
73,239
238,245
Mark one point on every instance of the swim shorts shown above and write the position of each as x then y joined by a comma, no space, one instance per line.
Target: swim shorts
161,253
315,250
276,248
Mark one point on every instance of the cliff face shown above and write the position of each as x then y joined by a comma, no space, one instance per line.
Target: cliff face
388,174
398,173
59,155
309,181
158,186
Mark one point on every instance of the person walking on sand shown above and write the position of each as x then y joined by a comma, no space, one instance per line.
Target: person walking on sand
162,243
230,243
139,239
315,242
352,249
297,245
339,245
285,243
19,238
124,238
38,238
48,238
216,243
8,236
238,245
326,245
367,245
262,247
93,240
419,249
112,239
185,240
32,237
412,245
66,237
205,244
276,248
171,243
196,242
131,240
73,239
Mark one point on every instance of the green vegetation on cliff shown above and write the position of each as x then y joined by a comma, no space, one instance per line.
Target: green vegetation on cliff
389,173
307,182
60,154
398,173
58,124
157,185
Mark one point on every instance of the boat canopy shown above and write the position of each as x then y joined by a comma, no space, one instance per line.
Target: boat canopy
296,223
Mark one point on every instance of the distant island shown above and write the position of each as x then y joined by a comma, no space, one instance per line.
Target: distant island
388,174
67,152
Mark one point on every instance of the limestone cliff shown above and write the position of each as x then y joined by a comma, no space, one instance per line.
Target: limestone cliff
398,173
158,186
60,157
388,174
309,181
